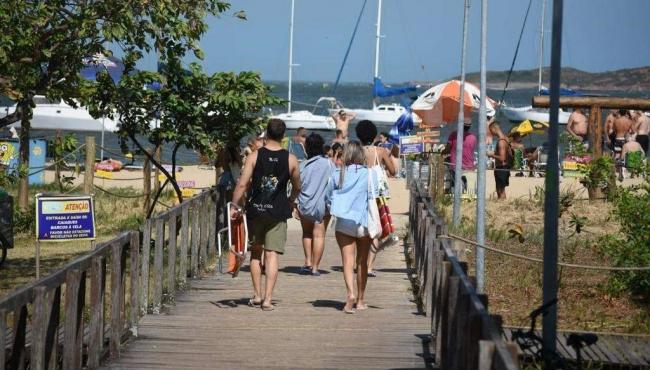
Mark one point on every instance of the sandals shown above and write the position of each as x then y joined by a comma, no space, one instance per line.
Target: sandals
305,270
372,273
253,303
267,308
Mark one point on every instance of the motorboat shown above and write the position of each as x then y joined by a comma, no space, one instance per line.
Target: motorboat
57,115
302,118
520,114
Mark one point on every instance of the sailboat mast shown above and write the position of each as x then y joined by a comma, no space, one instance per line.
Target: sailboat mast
541,47
290,56
377,39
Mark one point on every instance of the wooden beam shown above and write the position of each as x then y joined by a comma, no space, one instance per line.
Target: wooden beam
588,101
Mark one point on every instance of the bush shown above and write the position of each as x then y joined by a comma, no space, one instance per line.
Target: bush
632,246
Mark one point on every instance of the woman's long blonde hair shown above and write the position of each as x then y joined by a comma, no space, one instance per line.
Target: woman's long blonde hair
352,154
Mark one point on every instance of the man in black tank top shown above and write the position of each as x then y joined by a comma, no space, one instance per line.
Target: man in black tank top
265,176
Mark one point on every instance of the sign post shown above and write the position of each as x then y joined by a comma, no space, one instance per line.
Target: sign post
61,218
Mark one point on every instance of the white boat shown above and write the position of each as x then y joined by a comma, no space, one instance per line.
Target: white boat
306,119
49,115
519,114
380,115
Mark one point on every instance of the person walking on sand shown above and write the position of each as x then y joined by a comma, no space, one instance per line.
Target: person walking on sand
503,157
315,176
342,120
377,159
354,186
267,172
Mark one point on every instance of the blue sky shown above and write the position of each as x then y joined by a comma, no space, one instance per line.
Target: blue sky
422,37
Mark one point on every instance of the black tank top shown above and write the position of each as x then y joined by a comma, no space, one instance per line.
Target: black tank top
269,185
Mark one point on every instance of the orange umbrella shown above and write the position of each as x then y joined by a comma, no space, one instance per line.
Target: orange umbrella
440,104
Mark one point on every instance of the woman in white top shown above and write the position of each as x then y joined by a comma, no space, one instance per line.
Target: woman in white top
377,158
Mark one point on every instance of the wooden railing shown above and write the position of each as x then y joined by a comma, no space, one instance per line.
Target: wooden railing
464,335
69,320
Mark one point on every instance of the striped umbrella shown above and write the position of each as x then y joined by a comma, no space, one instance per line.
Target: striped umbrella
440,104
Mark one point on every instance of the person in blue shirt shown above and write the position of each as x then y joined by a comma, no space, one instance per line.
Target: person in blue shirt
349,204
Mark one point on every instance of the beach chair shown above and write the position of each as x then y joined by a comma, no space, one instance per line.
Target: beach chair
298,150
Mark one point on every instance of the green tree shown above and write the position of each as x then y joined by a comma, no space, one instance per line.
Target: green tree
190,109
43,43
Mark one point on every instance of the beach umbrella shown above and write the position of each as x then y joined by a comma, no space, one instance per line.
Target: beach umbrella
440,104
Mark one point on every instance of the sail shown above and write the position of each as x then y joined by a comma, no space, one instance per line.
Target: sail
383,91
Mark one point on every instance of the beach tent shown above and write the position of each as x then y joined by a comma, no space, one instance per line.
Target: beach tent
440,104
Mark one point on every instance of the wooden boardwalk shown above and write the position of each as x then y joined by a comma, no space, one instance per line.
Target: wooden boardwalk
211,327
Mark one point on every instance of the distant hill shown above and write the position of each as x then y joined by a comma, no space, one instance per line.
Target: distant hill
631,79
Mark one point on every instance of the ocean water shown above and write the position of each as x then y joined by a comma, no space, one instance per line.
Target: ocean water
351,95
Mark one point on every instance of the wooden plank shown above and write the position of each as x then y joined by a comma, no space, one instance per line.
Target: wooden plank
461,336
171,255
441,346
144,271
185,242
75,289
540,101
117,294
196,233
212,229
96,331
52,338
18,348
40,313
134,274
429,270
203,238
486,353
449,349
158,271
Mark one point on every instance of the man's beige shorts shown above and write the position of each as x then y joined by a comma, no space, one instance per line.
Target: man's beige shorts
270,232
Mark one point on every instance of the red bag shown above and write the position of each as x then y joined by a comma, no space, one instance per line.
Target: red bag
387,227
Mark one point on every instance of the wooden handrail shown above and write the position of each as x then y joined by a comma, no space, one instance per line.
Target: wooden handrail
57,320
462,328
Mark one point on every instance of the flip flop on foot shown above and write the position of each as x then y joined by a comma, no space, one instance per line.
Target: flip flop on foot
305,270
253,303
268,307
362,306
372,273
349,306
315,273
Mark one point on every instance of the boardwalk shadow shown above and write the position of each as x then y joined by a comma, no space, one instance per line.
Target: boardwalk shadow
328,303
296,270
231,303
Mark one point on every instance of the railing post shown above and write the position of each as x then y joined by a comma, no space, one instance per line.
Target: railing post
486,353
89,167
134,249
171,257
449,330
196,233
185,242
117,298
158,266
39,328
144,278
203,225
96,331
75,289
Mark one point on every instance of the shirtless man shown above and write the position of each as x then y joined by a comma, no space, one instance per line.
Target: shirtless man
608,129
339,137
343,119
578,126
632,164
623,125
642,129
300,136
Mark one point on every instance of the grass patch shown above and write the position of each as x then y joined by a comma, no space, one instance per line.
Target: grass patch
514,286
